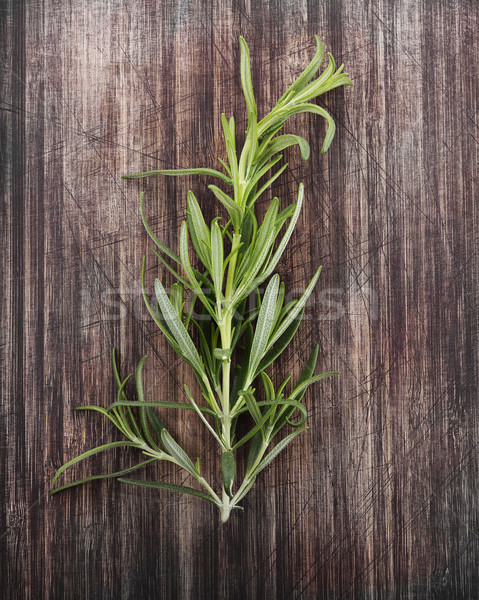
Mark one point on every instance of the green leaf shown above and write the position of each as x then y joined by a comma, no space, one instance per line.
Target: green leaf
228,469
155,422
228,131
269,129
246,77
283,385
229,134
260,171
248,226
177,453
115,370
279,301
189,315
312,108
89,453
177,172
285,239
105,476
241,370
199,232
285,403
252,406
253,261
103,412
204,341
170,487
312,90
217,259
160,245
162,326
181,335
266,185
257,446
264,325
285,141
327,81
287,412
268,386
305,384
308,73
200,278
277,449
223,164
234,211
247,158
139,379
280,345
141,398
297,308
185,259
164,404
258,428
290,406
172,270
177,298
284,215
245,491
308,370
127,422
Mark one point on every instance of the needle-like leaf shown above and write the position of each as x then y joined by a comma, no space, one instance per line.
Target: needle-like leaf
246,77
177,172
235,212
104,476
285,141
177,452
308,73
182,337
264,325
193,281
199,232
89,453
217,259
169,487
228,470
296,310
277,449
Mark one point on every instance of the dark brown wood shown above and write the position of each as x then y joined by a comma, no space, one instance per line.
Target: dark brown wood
380,498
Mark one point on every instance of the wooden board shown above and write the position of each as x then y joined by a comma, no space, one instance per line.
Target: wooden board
379,499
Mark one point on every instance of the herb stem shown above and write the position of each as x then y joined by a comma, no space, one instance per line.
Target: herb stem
225,507
225,331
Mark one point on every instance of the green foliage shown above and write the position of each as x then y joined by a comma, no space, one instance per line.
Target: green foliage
219,266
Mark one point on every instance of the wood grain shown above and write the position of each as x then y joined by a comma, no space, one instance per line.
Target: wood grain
379,498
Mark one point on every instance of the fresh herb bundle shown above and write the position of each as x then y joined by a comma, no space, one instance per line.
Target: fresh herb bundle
220,301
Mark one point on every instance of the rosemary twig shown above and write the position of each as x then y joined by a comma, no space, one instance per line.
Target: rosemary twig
237,342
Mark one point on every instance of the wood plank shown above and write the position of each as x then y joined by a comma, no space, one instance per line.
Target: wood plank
379,498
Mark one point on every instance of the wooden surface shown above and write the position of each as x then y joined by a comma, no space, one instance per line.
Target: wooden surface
379,499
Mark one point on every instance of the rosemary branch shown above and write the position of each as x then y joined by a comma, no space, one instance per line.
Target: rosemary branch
234,259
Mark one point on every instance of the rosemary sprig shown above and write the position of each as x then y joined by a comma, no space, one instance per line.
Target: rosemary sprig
234,259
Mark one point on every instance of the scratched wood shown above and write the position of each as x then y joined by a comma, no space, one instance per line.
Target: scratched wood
379,498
